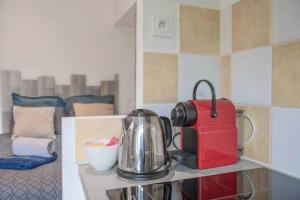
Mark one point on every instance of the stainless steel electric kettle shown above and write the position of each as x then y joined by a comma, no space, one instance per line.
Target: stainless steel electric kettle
143,148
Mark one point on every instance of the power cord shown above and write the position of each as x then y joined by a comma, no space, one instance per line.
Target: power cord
173,140
251,195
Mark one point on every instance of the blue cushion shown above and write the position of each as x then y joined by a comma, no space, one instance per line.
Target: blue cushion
87,99
42,101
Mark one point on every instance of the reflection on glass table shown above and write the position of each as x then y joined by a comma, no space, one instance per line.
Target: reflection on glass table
256,184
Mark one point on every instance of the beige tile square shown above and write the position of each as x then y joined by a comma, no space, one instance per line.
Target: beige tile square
286,74
160,78
259,147
94,129
199,30
251,24
226,77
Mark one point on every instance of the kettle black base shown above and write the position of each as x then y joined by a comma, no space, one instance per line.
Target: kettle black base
160,172
142,177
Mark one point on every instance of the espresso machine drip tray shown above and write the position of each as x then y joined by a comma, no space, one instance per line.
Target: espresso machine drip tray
259,184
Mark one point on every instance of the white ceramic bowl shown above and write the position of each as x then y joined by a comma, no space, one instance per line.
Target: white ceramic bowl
101,158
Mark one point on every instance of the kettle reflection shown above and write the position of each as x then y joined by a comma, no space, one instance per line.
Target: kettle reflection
144,192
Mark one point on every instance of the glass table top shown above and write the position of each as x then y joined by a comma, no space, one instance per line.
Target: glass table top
255,184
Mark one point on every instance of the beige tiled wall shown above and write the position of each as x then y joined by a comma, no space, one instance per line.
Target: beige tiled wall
286,74
251,29
259,148
199,34
226,76
94,129
199,30
160,78
251,24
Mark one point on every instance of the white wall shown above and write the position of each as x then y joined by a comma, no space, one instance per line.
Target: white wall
286,23
226,3
139,54
121,7
285,139
62,37
251,76
192,68
226,31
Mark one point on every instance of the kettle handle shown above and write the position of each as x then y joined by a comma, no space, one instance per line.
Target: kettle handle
213,94
168,130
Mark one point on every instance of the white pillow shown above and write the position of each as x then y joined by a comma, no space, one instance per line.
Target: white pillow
37,122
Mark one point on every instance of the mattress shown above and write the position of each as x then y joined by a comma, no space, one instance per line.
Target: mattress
42,183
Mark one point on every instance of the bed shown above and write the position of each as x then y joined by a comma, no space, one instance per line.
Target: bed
44,182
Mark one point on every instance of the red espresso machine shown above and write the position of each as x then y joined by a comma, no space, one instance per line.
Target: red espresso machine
208,131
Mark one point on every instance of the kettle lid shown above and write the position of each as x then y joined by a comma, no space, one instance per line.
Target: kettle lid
142,113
